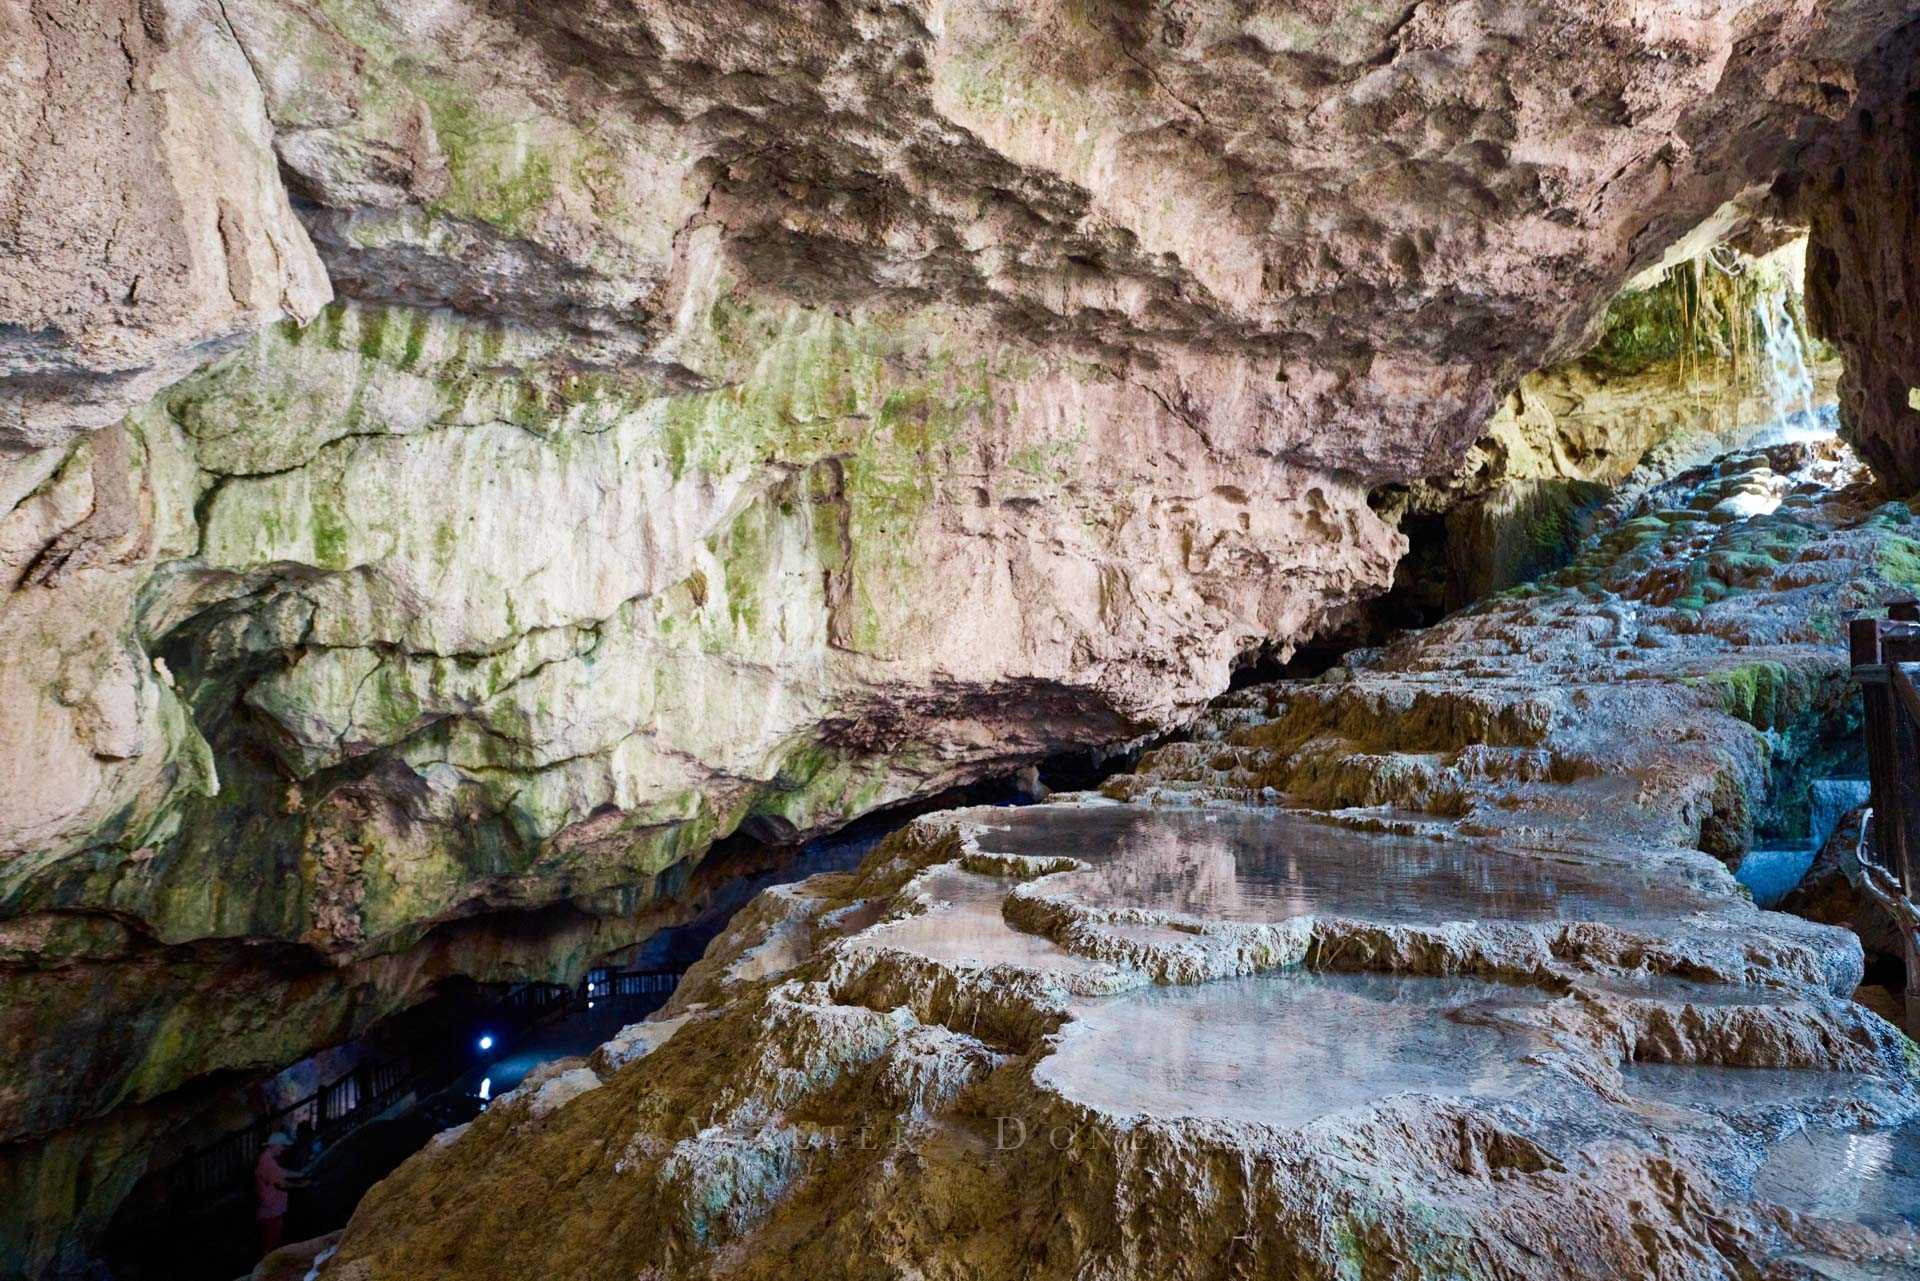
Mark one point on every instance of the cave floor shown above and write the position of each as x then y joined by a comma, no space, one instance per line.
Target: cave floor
1432,965
1127,1000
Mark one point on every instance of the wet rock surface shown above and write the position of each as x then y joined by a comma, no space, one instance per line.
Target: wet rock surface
1683,681
1862,283
735,418
896,1094
1471,999
1704,357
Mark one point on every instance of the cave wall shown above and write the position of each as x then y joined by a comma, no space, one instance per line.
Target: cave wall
1863,276
142,216
473,456
399,625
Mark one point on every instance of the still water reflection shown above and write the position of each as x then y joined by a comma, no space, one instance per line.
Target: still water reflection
1287,1048
1266,866
1867,1178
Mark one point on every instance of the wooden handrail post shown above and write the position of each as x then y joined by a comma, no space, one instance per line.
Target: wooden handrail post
1863,644
1899,831
1881,652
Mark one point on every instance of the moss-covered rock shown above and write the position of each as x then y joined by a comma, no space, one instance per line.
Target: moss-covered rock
413,621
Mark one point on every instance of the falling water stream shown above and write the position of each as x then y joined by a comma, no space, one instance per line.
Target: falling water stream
1788,373
1795,415
1772,871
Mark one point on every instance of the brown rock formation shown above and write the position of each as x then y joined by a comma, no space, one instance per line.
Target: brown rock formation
1171,191
1200,1037
142,219
737,417
1863,279
1682,373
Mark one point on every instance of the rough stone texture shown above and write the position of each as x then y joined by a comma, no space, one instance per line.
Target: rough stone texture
190,1022
1680,375
835,1087
737,417
459,639
1686,677
142,218
1863,286
854,1113
1169,190
296,1262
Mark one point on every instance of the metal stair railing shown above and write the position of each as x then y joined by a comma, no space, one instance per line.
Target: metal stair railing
218,1169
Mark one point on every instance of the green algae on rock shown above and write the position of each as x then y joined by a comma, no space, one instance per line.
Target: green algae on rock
738,417
400,558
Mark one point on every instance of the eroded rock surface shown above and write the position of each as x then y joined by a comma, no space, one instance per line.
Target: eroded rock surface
1862,285
1488,1007
143,222
735,418
1707,356
1685,677
1448,1095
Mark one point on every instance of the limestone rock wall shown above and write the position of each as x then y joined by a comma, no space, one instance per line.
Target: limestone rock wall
732,417
142,216
967,1056
393,621
1864,284
617,623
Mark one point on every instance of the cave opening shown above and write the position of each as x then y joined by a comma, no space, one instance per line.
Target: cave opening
1766,443
554,495
1504,537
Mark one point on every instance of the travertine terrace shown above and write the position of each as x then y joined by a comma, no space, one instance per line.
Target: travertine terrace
462,463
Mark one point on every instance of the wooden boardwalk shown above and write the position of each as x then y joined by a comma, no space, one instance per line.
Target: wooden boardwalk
1886,866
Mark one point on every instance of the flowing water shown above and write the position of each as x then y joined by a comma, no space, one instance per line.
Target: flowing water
1788,374
1288,1048
1870,1178
1771,872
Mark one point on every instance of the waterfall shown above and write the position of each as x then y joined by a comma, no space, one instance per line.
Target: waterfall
1789,377
1772,871
1832,799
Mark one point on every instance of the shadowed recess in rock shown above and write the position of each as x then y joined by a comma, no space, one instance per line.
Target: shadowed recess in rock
1772,871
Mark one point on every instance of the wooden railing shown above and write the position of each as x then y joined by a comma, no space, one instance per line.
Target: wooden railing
1886,870
219,1169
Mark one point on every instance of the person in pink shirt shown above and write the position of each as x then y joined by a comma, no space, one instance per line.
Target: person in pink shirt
270,1182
